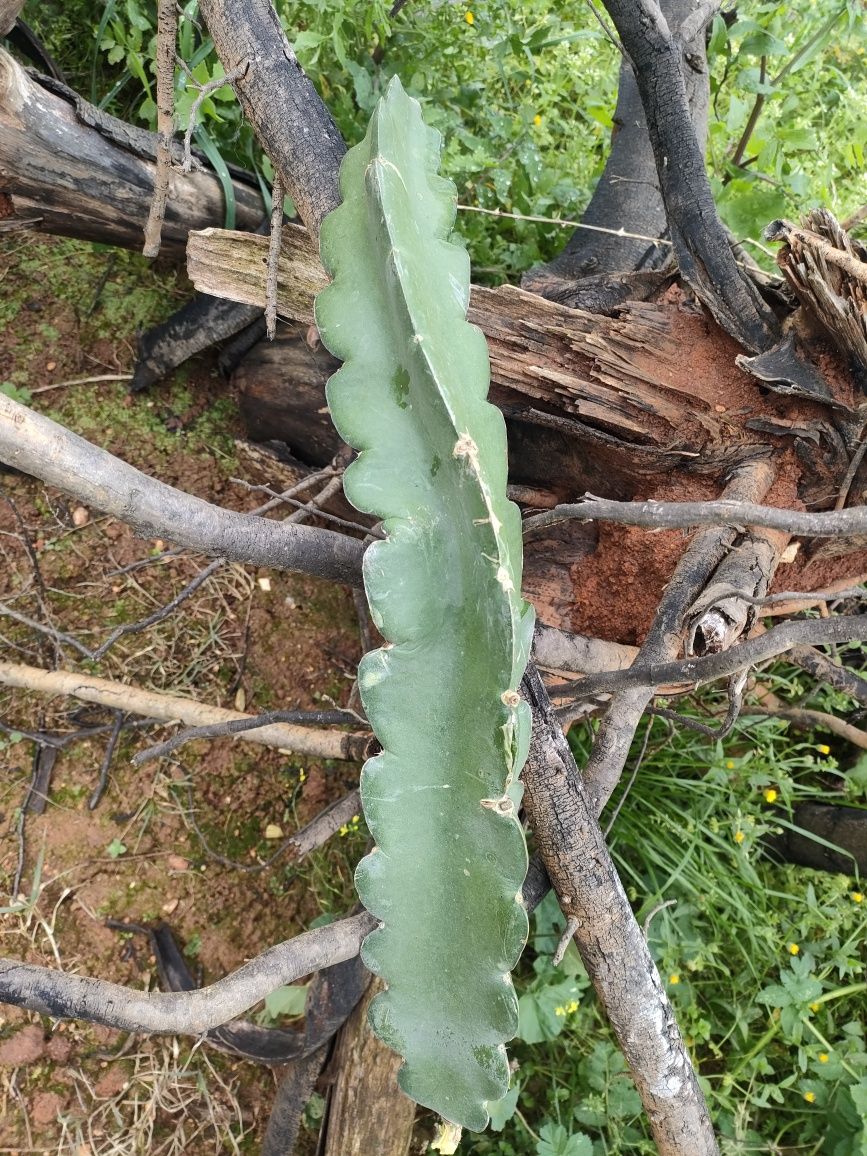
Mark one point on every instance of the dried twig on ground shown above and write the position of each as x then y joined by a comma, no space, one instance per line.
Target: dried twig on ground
317,832
173,708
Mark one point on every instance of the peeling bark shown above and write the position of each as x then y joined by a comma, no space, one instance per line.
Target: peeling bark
85,174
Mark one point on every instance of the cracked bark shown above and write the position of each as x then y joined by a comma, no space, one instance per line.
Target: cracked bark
627,194
293,125
566,829
701,245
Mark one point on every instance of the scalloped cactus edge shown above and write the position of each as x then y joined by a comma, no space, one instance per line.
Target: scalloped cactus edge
443,587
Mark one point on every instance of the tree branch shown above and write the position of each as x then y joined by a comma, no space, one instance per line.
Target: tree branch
325,744
294,127
702,556
41,447
63,996
566,829
723,512
627,191
703,251
696,671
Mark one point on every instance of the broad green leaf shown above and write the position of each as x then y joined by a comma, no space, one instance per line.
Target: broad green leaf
554,1140
288,1000
444,590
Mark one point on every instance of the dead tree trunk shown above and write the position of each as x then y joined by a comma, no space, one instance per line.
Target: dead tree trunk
71,169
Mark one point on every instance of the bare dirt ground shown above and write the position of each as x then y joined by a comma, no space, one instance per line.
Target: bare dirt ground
248,639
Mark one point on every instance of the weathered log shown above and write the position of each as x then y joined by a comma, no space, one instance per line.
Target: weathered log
85,174
367,1112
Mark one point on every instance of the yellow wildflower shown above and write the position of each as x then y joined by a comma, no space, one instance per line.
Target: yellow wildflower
674,978
537,119
559,1011
810,1097
794,949
857,897
823,749
730,765
814,1006
739,837
823,1057
470,19
770,795
572,1006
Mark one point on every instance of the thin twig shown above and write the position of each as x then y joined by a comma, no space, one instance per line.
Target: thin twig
167,35
317,832
204,92
572,925
851,471
242,725
636,767
83,381
723,512
278,193
645,929
318,743
102,783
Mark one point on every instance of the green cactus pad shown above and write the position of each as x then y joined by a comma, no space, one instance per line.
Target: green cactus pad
444,590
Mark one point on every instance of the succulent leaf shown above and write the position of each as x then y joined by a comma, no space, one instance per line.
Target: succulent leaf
444,590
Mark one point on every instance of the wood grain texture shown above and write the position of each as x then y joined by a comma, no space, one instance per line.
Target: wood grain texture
367,1111
92,182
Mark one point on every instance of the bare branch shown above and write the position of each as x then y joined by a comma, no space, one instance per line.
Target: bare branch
64,996
724,512
613,949
317,832
240,726
325,744
167,35
204,92
703,251
294,127
696,671
704,553
41,447
826,670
